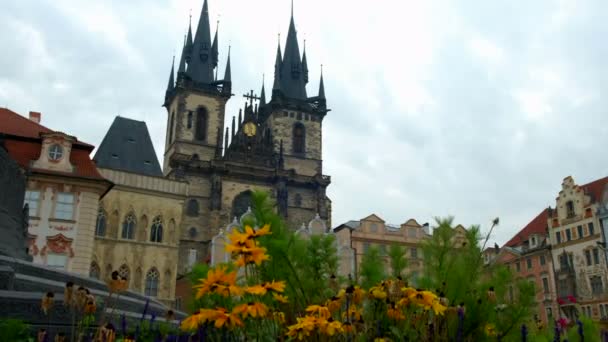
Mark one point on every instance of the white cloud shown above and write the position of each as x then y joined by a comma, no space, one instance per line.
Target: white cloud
440,108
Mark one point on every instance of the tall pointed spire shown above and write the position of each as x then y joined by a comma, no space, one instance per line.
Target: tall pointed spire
305,64
277,67
201,66
263,93
233,127
171,84
292,80
228,73
321,86
182,60
189,43
214,48
226,140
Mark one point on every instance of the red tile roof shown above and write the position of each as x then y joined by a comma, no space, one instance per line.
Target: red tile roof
12,123
537,226
595,189
23,143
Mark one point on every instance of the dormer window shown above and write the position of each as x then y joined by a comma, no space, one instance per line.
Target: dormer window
533,241
55,152
569,209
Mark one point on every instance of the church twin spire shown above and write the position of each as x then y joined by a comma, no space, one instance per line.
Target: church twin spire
200,57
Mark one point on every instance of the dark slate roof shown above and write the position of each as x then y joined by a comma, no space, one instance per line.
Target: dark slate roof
127,147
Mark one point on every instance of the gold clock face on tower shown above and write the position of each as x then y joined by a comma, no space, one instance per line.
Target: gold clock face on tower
250,129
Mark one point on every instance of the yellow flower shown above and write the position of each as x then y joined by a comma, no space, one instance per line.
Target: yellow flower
424,299
408,292
280,298
276,286
218,281
358,295
251,255
321,311
330,327
438,308
395,313
334,304
238,239
377,292
265,230
490,329
257,290
229,319
347,327
353,313
301,329
253,309
194,321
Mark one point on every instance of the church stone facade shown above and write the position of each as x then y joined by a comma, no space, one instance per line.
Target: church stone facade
273,145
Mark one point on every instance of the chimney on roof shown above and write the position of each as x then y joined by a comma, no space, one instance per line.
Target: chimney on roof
426,227
35,116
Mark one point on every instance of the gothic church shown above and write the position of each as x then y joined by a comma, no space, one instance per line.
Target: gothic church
273,145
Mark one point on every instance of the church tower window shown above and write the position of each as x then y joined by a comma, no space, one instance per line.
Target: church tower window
201,124
192,208
156,231
299,138
172,119
189,123
240,204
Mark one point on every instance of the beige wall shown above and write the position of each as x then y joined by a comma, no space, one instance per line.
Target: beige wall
373,231
147,198
186,144
71,239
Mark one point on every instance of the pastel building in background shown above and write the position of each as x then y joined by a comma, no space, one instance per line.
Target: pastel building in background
373,231
62,193
575,231
528,254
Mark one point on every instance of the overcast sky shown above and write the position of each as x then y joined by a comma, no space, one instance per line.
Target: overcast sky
468,108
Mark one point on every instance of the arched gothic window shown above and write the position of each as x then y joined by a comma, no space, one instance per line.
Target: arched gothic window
299,138
123,272
94,271
152,280
240,204
156,231
189,123
201,124
128,227
192,208
100,226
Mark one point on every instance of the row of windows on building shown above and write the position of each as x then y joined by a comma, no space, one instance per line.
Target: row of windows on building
603,310
129,225
567,234
63,206
152,280
595,282
542,260
411,232
413,251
